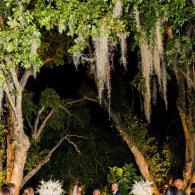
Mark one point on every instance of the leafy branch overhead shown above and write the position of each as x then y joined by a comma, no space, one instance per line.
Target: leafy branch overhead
99,35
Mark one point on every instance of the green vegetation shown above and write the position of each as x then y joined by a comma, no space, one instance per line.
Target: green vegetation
96,36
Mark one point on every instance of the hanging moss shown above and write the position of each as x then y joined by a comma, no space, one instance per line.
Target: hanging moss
102,65
118,9
123,47
151,51
146,63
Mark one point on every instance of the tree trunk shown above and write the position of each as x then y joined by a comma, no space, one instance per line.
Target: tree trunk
189,134
22,145
189,169
20,155
187,125
19,161
10,146
139,158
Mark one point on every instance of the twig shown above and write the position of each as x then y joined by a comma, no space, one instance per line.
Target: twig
81,100
78,136
29,123
43,124
37,121
73,144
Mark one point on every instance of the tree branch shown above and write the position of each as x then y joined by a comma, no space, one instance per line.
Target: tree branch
78,136
43,162
11,101
29,123
47,60
75,101
91,99
67,138
37,121
42,126
47,158
13,74
81,100
65,109
87,59
73,144
24,79
15,81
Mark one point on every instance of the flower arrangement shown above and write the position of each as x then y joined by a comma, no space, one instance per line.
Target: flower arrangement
50,188
141,188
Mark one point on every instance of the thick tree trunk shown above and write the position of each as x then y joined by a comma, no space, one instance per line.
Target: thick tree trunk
193,176
22,145
189,169
187,125
19,161
189,134
139,158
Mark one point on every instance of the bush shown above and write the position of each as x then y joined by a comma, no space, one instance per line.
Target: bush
124,176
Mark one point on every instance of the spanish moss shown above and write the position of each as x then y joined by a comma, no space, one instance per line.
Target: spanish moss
118,9
102,66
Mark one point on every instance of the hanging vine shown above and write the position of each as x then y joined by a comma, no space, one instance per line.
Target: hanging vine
151,52
102,66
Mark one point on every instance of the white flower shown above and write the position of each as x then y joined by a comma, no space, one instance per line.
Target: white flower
50,188
142,188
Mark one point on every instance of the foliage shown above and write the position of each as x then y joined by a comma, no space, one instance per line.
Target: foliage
96,151
49,99
138,132
141,188
161,159
138,83
100,148
29,107
50,188
20,40
162,163
26,28
125,177
36,154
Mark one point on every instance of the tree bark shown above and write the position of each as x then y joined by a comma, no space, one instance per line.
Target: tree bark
189,168
139,158
10,146
17,152
22,145
21,150
187,123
